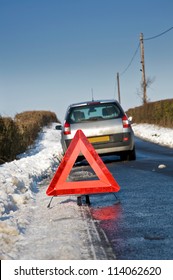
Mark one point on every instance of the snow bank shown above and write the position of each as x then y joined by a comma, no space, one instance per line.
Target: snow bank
154,133
19,182
18,179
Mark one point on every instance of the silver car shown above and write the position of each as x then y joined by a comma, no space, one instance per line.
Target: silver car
105,124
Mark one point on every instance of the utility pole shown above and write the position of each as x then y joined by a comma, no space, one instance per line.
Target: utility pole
118,83
144,86
92,94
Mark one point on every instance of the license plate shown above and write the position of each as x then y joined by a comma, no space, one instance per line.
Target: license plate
98,139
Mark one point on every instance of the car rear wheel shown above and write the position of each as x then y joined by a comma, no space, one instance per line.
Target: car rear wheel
129,155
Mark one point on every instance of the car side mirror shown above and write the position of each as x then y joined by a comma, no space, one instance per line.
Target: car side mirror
130,119
58,127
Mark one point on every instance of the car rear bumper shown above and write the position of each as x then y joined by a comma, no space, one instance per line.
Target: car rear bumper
117,143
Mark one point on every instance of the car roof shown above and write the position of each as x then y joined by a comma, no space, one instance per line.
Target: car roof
92,102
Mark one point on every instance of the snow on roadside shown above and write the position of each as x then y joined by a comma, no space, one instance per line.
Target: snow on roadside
19,181
153,133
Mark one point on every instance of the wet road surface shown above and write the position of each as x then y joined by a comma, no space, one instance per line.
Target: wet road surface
139,220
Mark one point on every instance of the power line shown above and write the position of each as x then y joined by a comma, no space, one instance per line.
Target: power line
135,53
156,36
147,39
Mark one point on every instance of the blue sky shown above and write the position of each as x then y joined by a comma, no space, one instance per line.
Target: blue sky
53,52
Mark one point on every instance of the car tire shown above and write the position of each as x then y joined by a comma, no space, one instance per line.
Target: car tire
129,155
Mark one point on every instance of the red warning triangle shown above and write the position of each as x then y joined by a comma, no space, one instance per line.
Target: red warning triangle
59,185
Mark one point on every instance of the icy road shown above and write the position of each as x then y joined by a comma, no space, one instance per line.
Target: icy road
140,224
138,220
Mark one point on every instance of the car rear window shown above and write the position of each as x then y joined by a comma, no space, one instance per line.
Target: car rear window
94,112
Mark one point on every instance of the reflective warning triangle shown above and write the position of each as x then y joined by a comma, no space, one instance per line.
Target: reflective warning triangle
59,184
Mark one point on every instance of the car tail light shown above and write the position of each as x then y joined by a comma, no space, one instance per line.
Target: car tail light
67,129
126,123
125,139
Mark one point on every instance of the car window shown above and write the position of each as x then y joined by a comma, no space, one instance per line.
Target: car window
94,112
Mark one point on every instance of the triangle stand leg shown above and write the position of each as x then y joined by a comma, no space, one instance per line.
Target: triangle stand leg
48,206
87,199
79,200
118,201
